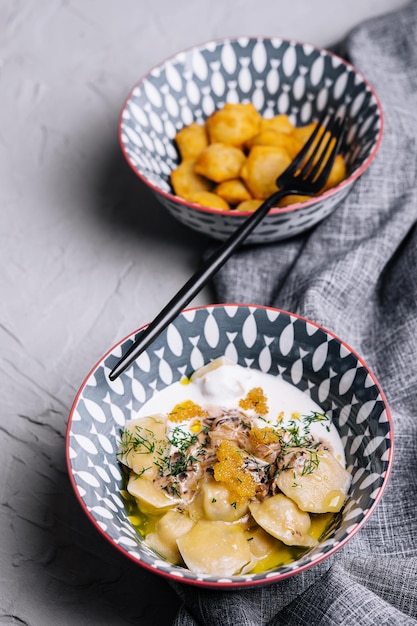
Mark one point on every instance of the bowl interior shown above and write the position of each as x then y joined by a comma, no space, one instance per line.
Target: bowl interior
271,340
276,75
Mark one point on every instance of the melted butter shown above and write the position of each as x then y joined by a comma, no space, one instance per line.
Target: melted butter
282,554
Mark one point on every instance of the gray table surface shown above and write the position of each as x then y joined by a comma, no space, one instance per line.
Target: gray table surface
87,256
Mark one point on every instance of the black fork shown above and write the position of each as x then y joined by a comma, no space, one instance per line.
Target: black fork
306,175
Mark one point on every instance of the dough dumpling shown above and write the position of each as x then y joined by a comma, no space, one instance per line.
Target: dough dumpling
167,530
321,490
217,503
151,499
282,518
142,442
215,549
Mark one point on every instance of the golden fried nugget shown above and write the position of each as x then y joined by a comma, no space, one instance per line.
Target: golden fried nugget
261,169
233,191
191,140
185,181
208,199
271,137
234,124
303,133
220,162
249,205
337,173
292,199
281,123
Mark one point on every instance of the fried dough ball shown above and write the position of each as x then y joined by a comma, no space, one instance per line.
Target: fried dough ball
191,140
337,173
186,181
292,199
234,159
261,169
208,199
233,191
303,133
271,137
233,124
249,205
219,162
280,123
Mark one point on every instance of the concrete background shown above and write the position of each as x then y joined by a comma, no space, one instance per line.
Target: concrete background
87,256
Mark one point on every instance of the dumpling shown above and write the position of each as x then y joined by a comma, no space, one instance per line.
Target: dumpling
168,529
261,543
321,490
142,442
151,499
282,518
217,503
215,549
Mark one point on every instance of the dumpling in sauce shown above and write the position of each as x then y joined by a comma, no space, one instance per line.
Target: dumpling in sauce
215,549
217,503
168,529
152,500
322,490
282,519
142,441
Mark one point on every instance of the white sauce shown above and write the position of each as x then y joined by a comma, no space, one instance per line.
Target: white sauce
225,385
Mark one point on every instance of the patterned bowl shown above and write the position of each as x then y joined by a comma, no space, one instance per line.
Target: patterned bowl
277,76
274,341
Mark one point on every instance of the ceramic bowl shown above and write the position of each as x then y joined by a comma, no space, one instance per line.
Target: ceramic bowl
277,76
273,341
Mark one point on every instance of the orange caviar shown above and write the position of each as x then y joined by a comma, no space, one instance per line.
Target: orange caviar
265,435
255,399
185,411
230,471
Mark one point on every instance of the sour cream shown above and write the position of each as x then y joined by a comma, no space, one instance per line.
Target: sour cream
224,384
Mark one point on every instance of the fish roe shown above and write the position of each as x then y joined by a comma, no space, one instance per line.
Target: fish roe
186,410
256,400
230,470
265,435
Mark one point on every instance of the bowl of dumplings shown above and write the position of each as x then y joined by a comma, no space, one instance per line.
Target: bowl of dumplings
210,129
244,446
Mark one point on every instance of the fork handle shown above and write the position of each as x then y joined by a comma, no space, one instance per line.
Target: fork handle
192,287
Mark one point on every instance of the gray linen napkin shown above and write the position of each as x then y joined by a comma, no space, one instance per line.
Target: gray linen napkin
356,274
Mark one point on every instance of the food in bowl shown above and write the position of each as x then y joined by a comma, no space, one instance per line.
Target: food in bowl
234,159
260,339
278,77
233,471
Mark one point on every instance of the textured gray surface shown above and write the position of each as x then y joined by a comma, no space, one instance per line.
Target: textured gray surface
87,256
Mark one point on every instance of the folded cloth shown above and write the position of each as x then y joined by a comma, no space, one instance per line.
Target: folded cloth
356,274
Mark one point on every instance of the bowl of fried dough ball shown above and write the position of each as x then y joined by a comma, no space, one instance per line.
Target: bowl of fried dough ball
211,129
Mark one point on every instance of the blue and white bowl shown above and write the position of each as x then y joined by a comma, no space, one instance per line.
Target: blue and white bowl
273,341
277,76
